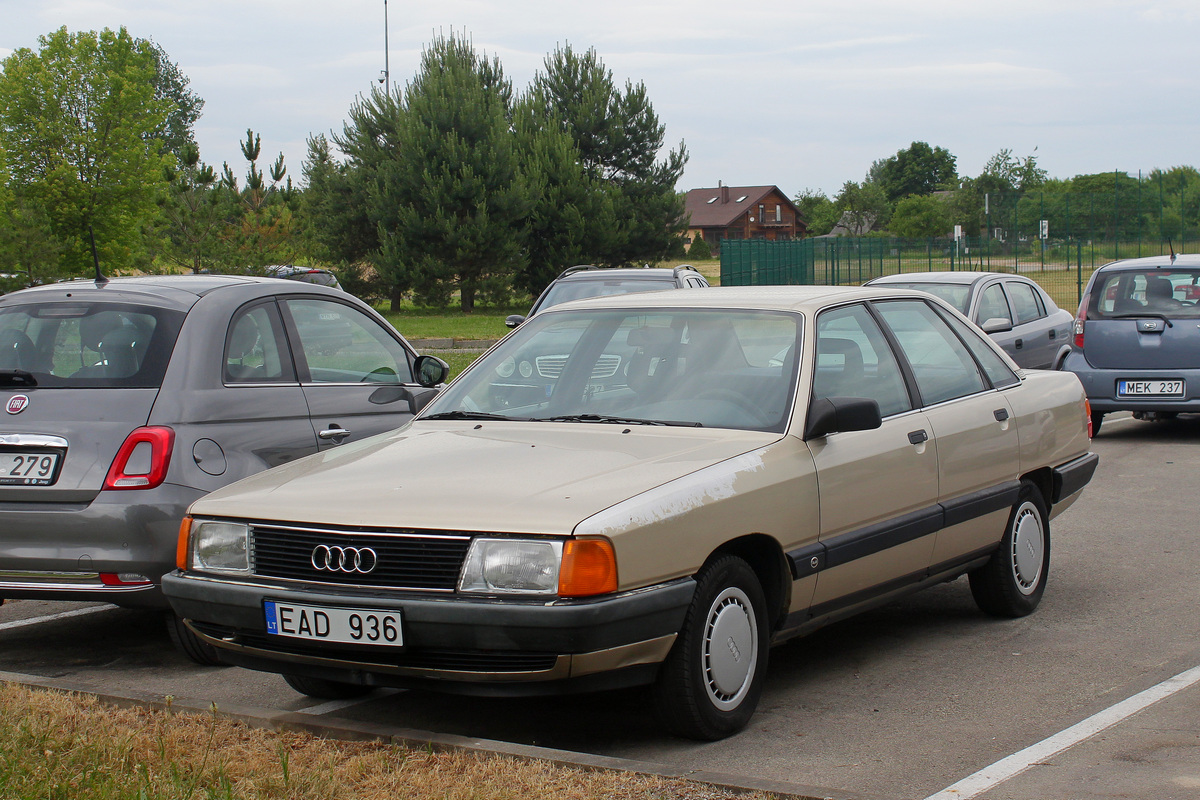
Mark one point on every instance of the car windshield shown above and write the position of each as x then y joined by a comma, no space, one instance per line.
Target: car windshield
566,290
956,294
1167,293
710,368
101,345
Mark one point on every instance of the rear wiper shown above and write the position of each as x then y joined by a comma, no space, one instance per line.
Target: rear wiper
17,377
616,420
1137,314
467,415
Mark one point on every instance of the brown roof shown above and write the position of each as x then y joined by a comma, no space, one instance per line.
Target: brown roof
720,206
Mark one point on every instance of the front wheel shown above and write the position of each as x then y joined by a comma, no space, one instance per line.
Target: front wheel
191,645
710,683
1011,584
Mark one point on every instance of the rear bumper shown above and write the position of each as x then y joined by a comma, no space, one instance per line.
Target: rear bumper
1100,385
474,646
80,551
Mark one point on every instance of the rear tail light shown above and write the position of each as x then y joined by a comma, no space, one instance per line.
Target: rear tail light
142,461
1080,317
1087,409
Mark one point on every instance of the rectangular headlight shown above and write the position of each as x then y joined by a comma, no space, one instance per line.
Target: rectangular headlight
221,547
512,566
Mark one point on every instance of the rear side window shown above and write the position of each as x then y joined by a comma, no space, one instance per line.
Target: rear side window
99,345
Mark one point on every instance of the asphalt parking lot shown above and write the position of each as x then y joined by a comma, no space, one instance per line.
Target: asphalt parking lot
1096,695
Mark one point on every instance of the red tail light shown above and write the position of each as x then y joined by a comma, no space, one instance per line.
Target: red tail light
1080,318
142,461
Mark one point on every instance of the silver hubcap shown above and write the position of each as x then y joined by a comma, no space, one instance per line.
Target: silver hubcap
1028,548
730,648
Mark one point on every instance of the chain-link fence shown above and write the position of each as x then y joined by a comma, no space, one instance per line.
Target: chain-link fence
1061,266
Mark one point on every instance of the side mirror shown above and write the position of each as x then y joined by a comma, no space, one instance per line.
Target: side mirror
513,320
996,325
840,415
430,370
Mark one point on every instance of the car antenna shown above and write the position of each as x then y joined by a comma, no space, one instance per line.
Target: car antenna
100,279
1172,251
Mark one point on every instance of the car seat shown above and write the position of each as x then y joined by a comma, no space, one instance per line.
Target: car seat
16,350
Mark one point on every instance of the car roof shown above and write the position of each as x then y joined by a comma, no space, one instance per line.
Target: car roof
771,298
623,272
1154,262
177,291
940,277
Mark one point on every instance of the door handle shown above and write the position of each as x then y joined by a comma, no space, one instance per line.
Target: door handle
335,433
1018,343
1000,414
1053,333
916,437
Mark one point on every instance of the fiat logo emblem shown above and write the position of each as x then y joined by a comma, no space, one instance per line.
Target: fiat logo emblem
17,403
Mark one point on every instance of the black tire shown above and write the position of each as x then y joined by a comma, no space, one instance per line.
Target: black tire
711,681
326,689
1097,418
1011,584
192,645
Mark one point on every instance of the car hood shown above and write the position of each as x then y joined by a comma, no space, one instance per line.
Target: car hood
507,477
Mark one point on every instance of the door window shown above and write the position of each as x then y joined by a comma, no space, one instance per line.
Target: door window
992,305
941,364
340,344
1025,302
854,360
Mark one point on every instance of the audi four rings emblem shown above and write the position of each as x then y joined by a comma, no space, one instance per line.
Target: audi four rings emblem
332,558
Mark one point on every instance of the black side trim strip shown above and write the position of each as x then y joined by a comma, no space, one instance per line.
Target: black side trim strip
856,544
883,535
981,503
1069,478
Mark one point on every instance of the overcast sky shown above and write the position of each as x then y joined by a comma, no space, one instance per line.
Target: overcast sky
794,93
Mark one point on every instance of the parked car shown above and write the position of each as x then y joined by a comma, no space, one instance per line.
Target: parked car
291,272
1137,338
773,459
128,399
585,280
1012,309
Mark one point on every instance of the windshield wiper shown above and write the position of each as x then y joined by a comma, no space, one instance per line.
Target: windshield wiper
467,415
17,377
604,419
1137,314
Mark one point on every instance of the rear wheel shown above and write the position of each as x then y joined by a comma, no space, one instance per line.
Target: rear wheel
326,689
1011,584
192,645
710,683
1097,418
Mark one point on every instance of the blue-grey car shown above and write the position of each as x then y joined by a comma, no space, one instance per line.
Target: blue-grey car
1137,338
125,400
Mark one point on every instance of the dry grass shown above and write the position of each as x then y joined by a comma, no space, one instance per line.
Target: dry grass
57,745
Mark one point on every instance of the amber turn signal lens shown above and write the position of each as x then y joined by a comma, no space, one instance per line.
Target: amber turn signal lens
181,549
589,567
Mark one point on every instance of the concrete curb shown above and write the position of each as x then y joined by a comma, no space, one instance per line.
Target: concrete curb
352,730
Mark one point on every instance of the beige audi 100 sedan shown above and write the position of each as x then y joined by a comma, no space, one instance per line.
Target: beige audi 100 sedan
648,489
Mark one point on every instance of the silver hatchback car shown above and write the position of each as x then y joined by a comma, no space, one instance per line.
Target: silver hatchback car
126,400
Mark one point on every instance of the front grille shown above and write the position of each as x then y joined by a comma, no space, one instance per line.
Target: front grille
552,366
403,559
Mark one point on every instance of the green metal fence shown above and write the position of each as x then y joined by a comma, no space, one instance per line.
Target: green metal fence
1061,266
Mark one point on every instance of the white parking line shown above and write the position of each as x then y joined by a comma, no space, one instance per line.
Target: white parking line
21,623
1010,767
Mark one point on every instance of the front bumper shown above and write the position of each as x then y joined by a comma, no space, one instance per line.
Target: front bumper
473,646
